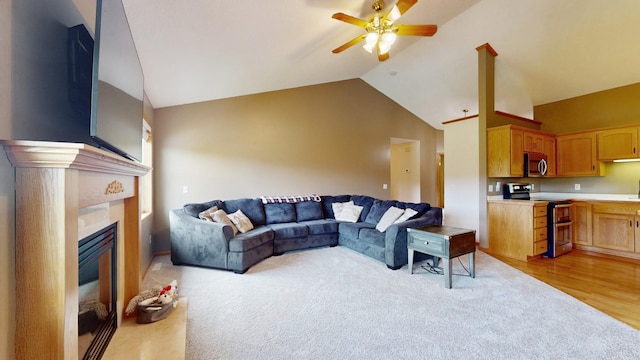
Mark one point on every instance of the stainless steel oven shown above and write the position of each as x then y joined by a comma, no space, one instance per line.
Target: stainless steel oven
559,228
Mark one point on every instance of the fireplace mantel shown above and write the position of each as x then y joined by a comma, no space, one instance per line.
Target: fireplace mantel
55,181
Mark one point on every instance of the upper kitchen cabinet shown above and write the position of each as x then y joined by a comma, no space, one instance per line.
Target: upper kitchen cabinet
576,155
550,152
505,153
617,144
533,142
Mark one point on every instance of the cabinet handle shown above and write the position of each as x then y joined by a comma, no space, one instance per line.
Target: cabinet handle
630,223
636,223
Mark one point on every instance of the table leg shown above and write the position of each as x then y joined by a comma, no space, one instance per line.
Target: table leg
410,261
472,264
446,262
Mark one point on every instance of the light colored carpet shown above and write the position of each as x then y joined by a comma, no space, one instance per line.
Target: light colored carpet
334,303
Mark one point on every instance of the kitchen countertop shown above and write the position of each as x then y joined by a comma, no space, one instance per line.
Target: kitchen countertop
574,196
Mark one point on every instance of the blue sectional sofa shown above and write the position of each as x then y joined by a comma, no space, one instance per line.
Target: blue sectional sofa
279,227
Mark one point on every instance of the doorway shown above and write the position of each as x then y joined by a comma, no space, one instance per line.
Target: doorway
405,170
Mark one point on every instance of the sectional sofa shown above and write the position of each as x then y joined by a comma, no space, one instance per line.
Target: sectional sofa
206,234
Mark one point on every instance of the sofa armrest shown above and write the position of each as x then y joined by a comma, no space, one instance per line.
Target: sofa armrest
395,251
198,242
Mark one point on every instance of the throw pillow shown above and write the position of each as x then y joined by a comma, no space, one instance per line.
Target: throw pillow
206,214
392,214
338,206
408,214
241,221
221,217
349,213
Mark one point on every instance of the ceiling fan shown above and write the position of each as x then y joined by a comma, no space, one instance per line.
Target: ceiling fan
381,31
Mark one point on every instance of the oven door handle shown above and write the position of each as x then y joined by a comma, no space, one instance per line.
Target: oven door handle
563,205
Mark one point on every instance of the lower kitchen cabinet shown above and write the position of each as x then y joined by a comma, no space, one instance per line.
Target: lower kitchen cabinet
517,229
616,226
582,223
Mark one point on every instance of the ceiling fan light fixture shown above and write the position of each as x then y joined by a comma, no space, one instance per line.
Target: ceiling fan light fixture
370,41
394,14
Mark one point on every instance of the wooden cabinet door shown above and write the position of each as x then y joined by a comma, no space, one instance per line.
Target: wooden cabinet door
550,151
576,155
504,152
614,231
637,242
533,142
618,144
517,153
582,223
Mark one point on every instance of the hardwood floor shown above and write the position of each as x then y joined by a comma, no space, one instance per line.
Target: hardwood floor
609,283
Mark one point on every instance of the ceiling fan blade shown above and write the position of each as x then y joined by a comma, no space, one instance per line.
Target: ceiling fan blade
404,5
350,19
416,30
348,44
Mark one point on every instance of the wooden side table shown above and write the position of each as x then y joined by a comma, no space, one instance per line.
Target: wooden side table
445,242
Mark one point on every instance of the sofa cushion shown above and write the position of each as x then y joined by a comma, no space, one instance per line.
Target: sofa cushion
372,236
309,210
253,208
328,200
288,230
421,208
323,226
378,209
366,202
352,230
194,209
278,213
390,216
254,238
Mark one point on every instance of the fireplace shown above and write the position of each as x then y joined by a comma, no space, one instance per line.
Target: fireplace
64,192
97,292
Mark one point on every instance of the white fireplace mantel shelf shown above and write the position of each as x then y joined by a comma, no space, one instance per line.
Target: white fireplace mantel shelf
54,182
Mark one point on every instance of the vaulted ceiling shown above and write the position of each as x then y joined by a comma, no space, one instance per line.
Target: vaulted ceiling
548,50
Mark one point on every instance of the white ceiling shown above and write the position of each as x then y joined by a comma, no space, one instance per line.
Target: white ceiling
548,50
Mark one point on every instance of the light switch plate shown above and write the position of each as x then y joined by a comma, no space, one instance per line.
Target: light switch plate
576,186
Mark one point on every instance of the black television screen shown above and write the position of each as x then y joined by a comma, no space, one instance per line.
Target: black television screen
117,84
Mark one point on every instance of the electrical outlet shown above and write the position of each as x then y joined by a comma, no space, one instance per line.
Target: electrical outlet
185,189
497,185
490,188
576,187
384,186
533,186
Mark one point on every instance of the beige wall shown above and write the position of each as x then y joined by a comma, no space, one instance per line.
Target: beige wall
405,171
327,139
618,106
7,198
613,107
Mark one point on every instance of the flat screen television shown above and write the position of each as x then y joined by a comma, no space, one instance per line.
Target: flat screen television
117,86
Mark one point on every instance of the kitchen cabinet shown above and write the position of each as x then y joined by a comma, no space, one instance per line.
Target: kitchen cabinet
517,229
582,223
617,144
505,156
533,142
550,151
616,226
576,155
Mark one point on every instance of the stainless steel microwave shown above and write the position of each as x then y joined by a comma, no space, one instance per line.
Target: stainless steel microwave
535,165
